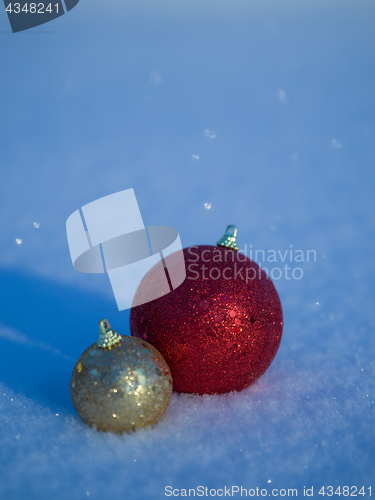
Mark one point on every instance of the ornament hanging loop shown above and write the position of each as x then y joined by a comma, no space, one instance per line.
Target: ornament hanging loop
229,239
107,336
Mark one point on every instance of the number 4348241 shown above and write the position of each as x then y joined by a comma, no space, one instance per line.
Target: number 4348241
346,491
32,8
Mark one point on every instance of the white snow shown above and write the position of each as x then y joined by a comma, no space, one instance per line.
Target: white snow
278,172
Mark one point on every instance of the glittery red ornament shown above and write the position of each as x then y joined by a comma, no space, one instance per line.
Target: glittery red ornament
220,329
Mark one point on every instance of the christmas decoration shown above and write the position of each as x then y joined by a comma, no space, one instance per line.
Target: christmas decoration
120,383
221,328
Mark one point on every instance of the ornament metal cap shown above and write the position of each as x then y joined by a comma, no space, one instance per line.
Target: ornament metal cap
229,239
107,336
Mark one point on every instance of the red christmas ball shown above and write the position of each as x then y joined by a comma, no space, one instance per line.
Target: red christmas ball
220,329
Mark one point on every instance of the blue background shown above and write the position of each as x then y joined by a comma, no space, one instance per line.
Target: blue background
117,95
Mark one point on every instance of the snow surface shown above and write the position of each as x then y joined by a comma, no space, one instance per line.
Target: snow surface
247,113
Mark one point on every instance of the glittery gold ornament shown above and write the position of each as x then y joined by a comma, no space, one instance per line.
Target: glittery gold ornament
120,383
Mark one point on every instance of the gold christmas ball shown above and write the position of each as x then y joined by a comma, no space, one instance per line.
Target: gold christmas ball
120,383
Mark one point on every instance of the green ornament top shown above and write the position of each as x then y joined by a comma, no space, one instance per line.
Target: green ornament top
229,239
107,336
